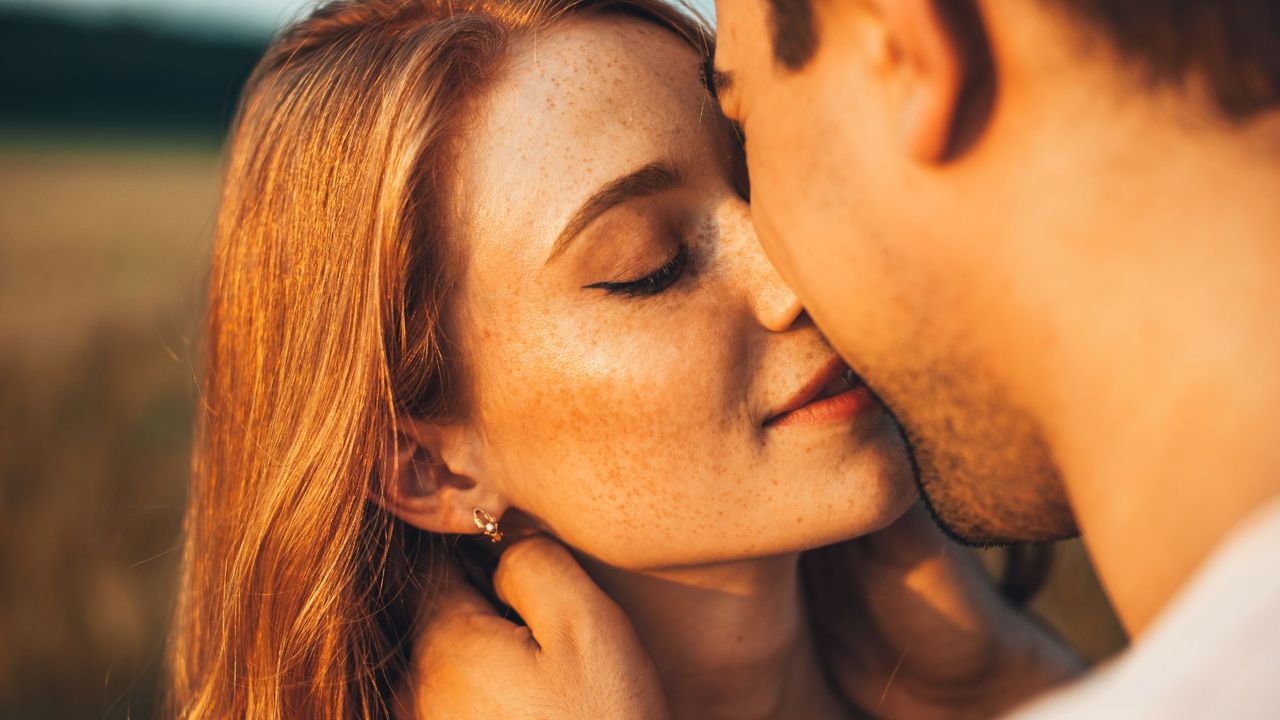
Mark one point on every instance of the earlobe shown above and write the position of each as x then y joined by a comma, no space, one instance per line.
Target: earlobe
428,479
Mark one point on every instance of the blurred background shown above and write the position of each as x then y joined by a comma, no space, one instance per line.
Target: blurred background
112,115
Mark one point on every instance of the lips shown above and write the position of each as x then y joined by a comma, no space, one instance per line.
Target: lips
834,392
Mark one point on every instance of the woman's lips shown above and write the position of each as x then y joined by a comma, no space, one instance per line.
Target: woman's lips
845,405
834,393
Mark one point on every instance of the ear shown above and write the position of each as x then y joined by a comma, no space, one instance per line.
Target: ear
431,477
926,64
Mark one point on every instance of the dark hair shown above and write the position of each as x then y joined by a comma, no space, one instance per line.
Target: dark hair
795,34
1233,44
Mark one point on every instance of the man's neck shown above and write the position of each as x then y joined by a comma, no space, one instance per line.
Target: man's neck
1160,389
729,641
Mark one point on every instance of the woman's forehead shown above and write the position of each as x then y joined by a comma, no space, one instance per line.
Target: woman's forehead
579,105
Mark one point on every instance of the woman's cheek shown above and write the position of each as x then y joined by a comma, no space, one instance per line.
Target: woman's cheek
611,442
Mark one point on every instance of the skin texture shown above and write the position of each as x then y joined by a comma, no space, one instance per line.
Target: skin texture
621,424
1073,281
871,272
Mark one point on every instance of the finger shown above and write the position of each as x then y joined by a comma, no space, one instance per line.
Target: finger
546,585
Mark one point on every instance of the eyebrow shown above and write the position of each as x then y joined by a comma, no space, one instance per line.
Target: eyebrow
646,181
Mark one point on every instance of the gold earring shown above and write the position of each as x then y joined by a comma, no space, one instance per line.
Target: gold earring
488,524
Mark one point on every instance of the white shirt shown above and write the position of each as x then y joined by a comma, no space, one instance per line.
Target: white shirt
1213,652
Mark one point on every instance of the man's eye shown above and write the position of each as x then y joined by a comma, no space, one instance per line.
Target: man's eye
651,284
707,76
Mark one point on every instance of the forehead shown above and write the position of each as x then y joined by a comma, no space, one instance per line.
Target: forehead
742,28
580,104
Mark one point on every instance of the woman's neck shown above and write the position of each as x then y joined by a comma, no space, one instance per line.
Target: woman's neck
729,641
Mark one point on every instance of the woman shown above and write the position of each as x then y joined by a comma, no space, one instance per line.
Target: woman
484,268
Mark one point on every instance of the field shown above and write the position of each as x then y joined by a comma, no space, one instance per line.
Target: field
102,260
101,266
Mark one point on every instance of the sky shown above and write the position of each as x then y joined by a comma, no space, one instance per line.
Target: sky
247,16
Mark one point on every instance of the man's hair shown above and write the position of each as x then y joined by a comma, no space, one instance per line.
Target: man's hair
1234,45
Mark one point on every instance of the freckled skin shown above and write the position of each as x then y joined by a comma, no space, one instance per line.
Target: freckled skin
631,427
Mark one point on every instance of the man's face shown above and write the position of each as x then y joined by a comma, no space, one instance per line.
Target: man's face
895,268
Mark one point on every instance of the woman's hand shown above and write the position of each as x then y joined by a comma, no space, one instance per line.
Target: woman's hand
578,658
914,629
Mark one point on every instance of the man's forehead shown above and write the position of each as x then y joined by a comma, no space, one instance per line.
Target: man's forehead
742,31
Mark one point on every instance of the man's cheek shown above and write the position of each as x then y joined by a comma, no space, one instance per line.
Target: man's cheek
776,247
784,202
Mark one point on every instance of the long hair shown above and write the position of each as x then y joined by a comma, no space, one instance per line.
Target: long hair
329,277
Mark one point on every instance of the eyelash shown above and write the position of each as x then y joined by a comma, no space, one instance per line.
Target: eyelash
706,79
651,284
706,75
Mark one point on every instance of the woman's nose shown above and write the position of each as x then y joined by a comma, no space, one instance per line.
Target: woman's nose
776,305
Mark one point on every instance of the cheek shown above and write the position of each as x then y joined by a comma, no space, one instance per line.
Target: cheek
792,194
818,214
802,240
591,427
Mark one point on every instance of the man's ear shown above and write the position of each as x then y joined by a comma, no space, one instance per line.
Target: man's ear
431,478
926,62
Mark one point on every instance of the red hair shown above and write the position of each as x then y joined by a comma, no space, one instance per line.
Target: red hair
328,285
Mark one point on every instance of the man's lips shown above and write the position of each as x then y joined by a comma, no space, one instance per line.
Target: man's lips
831,382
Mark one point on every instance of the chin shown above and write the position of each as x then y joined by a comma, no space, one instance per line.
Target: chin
875,504
898,497
788,531
971,519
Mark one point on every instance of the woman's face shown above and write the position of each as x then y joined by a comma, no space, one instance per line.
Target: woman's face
629,346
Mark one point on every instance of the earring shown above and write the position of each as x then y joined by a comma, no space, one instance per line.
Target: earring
488,524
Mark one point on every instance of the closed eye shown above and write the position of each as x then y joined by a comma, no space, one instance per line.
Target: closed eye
651,284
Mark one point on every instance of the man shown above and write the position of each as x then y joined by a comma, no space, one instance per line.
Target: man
1047,233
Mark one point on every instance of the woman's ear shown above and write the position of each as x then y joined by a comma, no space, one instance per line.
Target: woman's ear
431,477
926,64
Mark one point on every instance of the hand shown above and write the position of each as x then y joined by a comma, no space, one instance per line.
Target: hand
914,627
578,658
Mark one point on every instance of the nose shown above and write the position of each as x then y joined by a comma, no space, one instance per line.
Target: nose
775,304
